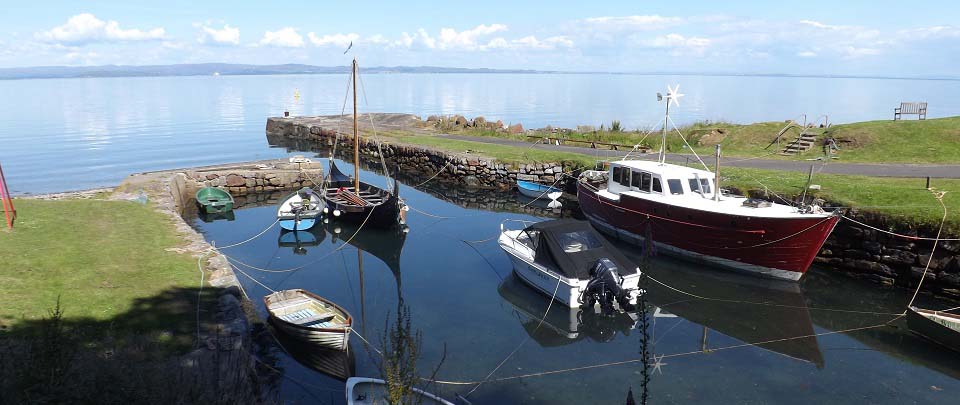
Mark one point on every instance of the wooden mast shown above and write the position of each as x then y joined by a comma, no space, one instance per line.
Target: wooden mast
356,134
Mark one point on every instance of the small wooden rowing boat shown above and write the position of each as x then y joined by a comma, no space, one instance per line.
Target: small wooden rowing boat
537,190
940,327
308,317
370,391
213,200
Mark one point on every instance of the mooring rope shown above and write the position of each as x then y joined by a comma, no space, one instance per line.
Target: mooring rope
524,341
672,355
447,163
343,245
767,303
251,238
938,195
901,235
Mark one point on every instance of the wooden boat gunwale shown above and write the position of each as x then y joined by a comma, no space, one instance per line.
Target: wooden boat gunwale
919,322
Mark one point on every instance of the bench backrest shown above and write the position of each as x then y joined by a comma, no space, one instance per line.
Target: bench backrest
913,108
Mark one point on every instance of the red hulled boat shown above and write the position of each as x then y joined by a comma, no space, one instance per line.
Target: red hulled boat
684,213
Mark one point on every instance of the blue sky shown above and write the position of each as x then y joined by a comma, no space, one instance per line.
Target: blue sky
813,37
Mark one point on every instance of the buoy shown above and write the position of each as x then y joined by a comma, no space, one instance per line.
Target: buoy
336,230
336,213
326,210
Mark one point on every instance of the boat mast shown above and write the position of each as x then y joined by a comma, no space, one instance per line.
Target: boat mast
716,179
663,137
356,133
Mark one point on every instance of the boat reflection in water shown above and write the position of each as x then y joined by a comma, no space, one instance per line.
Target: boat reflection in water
301,240
784,313
216,216
334,363
563,325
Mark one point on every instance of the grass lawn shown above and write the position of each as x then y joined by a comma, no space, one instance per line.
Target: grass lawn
903,199
106,260
887,141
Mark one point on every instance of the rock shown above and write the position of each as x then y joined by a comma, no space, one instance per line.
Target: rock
234,180
460,121
471,181
855,254
873,247
480,122
900,257
917,272
212,176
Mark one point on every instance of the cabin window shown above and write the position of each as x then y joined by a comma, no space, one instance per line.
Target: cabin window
579,241
635,180
656,185
529,238
625,177
704,186
676,187
645,182
616,174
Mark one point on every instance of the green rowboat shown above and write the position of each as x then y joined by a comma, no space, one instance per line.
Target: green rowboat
214,200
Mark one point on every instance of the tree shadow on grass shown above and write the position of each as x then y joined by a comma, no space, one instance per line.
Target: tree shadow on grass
148,354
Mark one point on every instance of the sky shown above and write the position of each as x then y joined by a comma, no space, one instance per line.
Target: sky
920,38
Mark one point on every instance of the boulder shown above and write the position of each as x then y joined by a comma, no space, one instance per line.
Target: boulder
234,180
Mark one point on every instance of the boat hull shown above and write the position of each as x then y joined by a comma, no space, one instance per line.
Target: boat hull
214,201
535,190
932,330
337,340
293,224
544,280
371,391
307,218
383,215
780,248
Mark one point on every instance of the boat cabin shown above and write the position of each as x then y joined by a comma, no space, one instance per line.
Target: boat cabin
667,180
572,248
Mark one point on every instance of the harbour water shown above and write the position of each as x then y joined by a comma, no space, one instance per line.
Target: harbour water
739,340
70,134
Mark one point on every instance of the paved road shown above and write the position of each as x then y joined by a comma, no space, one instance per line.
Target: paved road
835,167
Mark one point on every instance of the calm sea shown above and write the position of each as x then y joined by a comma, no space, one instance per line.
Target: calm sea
69,134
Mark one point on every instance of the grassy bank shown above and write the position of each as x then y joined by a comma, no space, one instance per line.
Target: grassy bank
928,141
105,260
903,200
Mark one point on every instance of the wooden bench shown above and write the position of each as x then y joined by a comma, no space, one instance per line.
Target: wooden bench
918,109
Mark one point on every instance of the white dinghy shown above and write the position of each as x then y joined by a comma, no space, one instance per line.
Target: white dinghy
310,318
300,210
371,391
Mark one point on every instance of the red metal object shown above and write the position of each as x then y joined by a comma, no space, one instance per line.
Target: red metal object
8,211
774,247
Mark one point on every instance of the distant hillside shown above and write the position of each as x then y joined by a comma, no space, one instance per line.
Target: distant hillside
206,69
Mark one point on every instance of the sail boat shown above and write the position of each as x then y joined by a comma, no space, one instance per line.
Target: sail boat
687,215
354,200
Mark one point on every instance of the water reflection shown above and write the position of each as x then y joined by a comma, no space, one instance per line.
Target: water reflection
778,311
563,325
340,365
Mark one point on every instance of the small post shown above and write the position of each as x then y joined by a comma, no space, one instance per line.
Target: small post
928,182
286,113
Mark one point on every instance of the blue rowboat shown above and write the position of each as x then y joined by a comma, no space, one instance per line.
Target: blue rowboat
537,190
300,210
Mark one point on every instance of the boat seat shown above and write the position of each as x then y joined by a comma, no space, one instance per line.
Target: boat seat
307,317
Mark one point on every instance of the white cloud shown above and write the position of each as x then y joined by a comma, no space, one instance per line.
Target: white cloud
806,54
85,27
286,37
227,35
466,40
677,41
635,22
530,42
339,40
934,32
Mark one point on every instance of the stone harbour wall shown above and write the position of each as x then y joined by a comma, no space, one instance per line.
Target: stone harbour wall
866,253
462,168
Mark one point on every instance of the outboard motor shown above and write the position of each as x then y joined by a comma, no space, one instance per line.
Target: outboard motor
606,287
